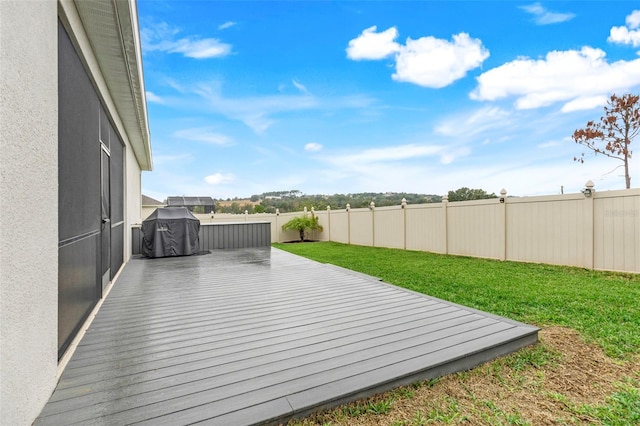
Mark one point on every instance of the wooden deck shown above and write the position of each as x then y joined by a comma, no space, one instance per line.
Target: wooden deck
259,336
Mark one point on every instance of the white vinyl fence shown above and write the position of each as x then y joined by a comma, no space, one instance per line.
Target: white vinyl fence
598,231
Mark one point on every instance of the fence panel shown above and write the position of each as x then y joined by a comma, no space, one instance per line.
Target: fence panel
476,228
361,227
426,228
388,227
554,230
275,229
284,236
323,220
601,231
339,229
617,230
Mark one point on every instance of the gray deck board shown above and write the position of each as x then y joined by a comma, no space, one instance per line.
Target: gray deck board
259,344
258,336
242,366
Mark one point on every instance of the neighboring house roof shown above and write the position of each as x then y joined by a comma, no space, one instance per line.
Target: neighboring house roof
148,201
190,201
112,30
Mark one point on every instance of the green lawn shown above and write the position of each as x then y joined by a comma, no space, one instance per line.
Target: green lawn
603,306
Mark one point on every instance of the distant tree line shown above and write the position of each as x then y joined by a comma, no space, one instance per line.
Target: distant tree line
466,194
295,201
238,208
339,201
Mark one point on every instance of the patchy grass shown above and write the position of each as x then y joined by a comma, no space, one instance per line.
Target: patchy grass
585,370
561,381
623,407
602,306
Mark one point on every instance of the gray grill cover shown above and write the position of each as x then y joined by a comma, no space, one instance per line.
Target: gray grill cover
171,231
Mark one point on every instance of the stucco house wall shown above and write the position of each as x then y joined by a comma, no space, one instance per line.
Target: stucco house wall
28,171
29,167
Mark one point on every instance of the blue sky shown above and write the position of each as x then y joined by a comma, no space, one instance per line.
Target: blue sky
374,96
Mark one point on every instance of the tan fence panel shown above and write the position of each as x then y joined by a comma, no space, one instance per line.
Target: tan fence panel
426,228
601,231
147,210
388,225
275,229
361,227
617,230
229,217
339,230
476,228
554,230
285,236
323,220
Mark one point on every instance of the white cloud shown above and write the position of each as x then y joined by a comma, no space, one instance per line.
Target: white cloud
629,34
175,85
576,78
300,87
202,134
155,31
313,147
427,61
471,124
219,178
372,45
432,62
152,97
226,25
633,20
161,37
543,16
622,35
584,103
551,144
258,122
371,156
448,156
199,49
256,111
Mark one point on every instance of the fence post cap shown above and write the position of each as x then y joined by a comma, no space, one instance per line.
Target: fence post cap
588,190
503,195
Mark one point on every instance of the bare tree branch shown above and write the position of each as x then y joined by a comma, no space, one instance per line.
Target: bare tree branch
615,130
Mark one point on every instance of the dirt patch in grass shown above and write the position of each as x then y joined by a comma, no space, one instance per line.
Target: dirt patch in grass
558,381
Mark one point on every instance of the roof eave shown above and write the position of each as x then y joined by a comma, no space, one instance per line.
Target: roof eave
112,29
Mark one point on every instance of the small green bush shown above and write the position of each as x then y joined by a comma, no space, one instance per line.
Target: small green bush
303,224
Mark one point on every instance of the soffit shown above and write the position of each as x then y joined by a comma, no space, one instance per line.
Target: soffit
112,29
